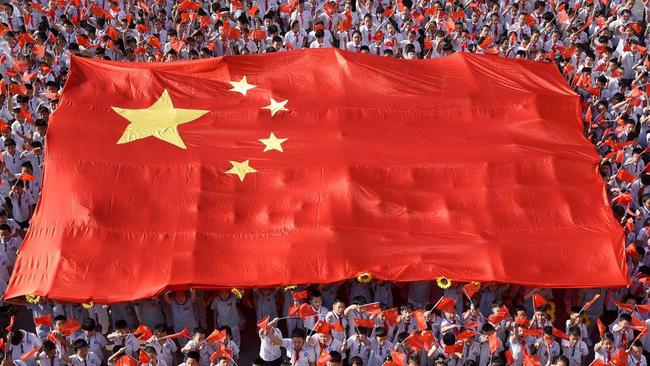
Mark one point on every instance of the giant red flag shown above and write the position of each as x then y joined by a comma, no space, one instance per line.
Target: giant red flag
315,166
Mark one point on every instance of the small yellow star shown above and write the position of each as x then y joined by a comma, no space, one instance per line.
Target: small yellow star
160,120
241,86
276,106
272,143
240,169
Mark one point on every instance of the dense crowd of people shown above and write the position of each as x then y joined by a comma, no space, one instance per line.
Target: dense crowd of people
600,46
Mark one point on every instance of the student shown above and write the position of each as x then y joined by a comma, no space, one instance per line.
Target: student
22,203
122,337
265,303
636,357
338,320
315,301
406,322
299,353
324,342
153,356
96,342
48,356
182,309
486,354
622,332
82,355
270,353
165,347
605,350
11,157
575,349
193,358
20,342
229,343
226,312
380,347
546,347
198,344
359,345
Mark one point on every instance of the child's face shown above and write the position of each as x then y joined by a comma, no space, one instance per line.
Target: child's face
323,338
338,308
381,340
50,352
624,323
57,324
406,314
573,339
83,351
608,345
153,356
316,302
637,351
199,337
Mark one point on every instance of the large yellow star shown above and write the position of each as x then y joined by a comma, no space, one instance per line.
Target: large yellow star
160,120
241,86
272,143
240,169
276,106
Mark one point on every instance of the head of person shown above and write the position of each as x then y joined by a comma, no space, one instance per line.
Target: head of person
199,335
5,232
121,326
338,307
608,342
226,329
193,358
561,360
298,338
49,348
10,146
80,347
356,361
335,359
160,330
315,299
88,326
153,355
574,335
381,336
406,310
221,361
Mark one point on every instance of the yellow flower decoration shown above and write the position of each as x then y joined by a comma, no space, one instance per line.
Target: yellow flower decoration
237,293
587,319
32,299
551,317
87,305
289,288
364,277
551,307
443,282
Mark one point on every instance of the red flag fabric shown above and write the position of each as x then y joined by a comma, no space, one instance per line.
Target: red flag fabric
601,328
263,323
10,327
418,315
143,332
306,311
446,304
531,360
220,335
144,357
590,303
539,300
45,320
322,327
399,358
392,316
470,289
299,295
378,175
374,308
494,342
366,323
70,326
126,360
29,354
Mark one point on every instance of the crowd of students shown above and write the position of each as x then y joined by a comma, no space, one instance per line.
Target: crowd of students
599,46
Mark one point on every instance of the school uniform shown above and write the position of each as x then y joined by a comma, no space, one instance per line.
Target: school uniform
205,350
333,319
90,360
165,351
50,361
304,356
38,310
129,342
10,248
309,322
357,348
633,361
265,305
21,203
183,317
149,312
96,343
605,356
378,353
574,353
29,342
12,162
227,315
269,352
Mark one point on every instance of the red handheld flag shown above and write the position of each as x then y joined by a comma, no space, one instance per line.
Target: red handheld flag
365,323
10,327
144,357
263,323
418,315
539,301
322,327
45,320
494,342
306,311
144,332
531,360
471,289
446,304
220,335
601,328
372,309
300,295
30,354
126,360
391,316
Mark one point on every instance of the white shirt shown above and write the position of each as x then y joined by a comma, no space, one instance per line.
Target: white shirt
21,204
306,355
12,162
574,353
29,342
378,353
268,351
90,360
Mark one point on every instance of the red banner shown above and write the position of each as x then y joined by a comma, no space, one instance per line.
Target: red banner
314,166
